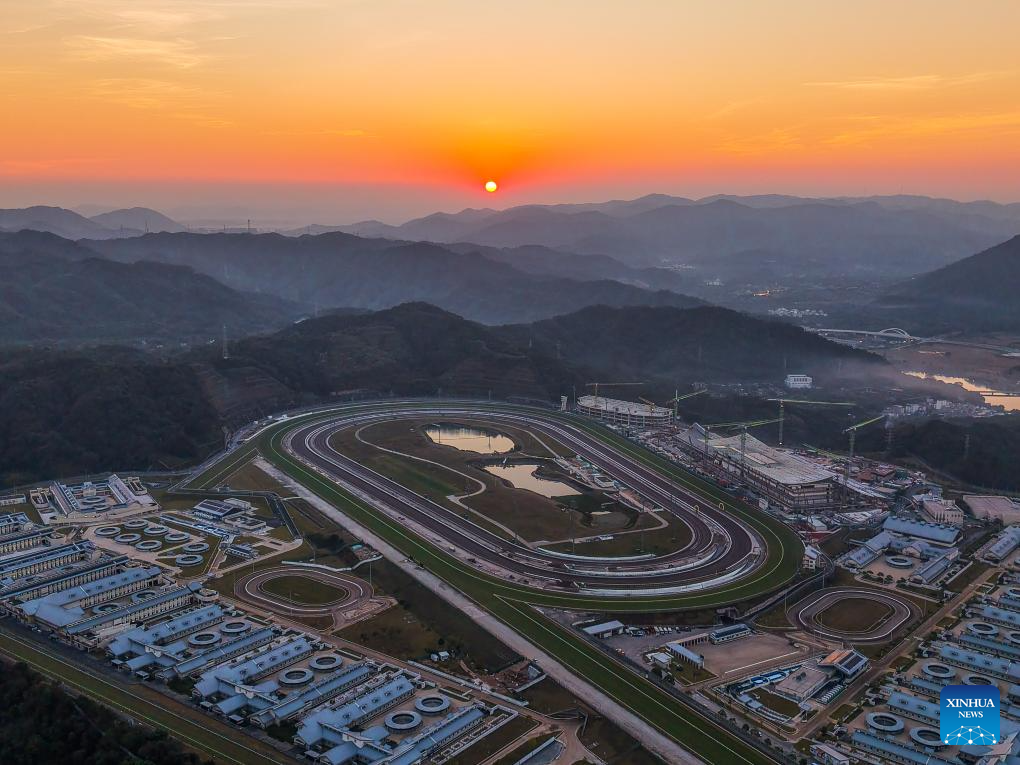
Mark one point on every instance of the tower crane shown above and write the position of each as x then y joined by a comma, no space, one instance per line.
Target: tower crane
677,398
744,427
784,401
852,430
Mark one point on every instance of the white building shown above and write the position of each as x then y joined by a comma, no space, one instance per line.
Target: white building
624,412
799,382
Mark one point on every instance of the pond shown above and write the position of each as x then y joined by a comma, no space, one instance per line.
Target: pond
522,476
1011,403
469,439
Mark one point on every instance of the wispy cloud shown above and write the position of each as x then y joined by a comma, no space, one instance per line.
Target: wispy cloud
164,15
777,139
176,53
913,82
32,166
144,93
338,132
870,128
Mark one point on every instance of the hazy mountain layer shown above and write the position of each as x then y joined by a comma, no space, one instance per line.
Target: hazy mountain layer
45,298
895,236
339,269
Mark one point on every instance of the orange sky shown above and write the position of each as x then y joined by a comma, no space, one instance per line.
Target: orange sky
411,105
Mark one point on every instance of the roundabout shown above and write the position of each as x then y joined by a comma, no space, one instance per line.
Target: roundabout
853,614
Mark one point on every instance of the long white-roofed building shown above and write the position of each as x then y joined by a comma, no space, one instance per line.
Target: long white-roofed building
621,412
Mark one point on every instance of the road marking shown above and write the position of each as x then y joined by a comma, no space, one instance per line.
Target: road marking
763,661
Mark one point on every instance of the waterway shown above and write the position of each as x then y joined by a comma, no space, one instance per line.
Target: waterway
522,476
991,397
469,439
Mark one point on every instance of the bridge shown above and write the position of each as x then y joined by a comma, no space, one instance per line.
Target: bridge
896,333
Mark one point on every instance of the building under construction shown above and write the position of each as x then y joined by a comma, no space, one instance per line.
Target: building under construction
619,412
788,481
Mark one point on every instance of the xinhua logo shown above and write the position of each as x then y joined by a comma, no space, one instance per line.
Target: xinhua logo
969,714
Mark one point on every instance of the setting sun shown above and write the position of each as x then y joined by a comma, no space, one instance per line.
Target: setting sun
491,186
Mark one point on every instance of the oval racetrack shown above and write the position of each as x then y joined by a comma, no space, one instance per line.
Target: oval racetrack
724,548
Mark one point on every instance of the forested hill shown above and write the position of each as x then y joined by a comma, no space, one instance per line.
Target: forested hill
105,409
707,343
42,724
978,293
69,413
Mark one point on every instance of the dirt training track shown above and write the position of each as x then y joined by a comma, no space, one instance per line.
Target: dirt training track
805,614
356,598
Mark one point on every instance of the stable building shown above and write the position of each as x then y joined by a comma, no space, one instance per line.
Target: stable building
686,655
59,609
1004,545
11,523
726,634
915,708
220,509
45,559
604,629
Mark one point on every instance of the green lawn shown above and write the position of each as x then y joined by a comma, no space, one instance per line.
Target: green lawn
304,590
854,615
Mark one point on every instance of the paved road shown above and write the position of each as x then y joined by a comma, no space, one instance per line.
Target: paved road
722,545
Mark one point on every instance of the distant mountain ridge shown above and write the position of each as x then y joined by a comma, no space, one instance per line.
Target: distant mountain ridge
976,293
72,225
56,291
897,236
138,219
343,270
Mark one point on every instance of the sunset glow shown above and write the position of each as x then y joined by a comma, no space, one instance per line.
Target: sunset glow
694,98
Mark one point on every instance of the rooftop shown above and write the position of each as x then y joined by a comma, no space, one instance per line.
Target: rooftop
630,408
779,465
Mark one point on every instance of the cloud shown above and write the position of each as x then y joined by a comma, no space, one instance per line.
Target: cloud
143,93
338,132
914,82
167,15
176,53
878,127
777,139
33,166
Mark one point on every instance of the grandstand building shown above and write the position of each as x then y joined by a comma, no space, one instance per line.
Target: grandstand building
624,412
789,481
